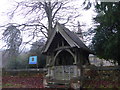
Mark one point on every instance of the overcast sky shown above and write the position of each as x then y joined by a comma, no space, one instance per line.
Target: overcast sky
6,5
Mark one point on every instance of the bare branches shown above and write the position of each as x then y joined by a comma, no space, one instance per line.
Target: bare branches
57,11
54,5
42,9
43,33
13,12
67,20
40,17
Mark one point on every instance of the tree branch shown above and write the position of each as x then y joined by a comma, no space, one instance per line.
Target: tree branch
54,5
12,13
57,11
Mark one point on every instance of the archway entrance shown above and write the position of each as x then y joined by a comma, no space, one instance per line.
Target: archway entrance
64,58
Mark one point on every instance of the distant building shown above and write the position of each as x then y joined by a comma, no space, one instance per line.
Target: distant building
94,60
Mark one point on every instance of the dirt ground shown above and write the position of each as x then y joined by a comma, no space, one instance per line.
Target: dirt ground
36,82
22,82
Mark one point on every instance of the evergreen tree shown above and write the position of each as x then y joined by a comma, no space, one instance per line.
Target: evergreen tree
106,42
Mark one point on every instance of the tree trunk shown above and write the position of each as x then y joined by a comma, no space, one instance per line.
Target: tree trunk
48,10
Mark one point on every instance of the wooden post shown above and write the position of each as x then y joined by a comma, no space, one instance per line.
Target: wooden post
82,77
79,73
52,73
48,71
75,57
75,67
81,70
69,73
75,71
63,72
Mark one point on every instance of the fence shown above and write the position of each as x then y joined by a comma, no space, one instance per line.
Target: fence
101,77
102,73
22,71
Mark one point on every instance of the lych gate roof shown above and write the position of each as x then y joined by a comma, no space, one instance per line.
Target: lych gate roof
71,38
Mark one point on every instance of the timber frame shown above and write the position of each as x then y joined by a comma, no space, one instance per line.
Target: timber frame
63,39
64,48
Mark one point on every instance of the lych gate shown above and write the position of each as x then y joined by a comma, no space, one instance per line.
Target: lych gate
61,58
66,54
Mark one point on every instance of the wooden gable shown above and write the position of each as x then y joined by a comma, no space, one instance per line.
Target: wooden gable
62,37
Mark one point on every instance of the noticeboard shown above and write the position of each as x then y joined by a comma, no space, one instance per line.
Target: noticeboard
33,60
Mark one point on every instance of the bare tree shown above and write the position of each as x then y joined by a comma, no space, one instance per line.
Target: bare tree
43,15
40,17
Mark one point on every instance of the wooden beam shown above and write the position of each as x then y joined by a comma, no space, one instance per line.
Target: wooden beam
61,48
